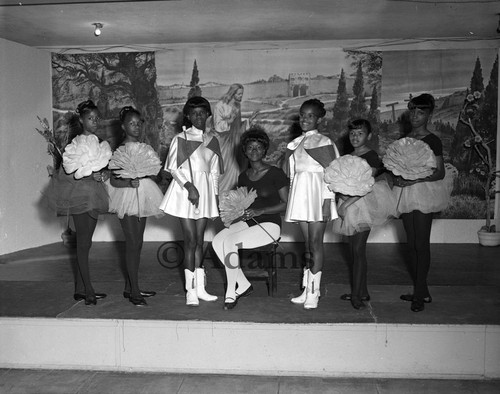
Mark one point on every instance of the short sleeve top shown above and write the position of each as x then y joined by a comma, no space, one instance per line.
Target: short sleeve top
267,189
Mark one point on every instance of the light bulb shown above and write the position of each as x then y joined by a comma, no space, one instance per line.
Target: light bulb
97,30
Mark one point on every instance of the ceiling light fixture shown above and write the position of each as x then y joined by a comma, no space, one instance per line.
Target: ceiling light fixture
97,30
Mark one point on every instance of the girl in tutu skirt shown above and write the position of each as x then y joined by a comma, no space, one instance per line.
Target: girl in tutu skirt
133,200
195,162
84,199
310,203
418,200
357,215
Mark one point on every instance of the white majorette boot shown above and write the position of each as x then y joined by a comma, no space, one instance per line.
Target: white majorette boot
200,286
302,298
191,297
313,293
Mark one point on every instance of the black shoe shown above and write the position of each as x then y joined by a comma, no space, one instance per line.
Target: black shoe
230,303
417,305
90,300
348,297
138,301
79,297
357,304
246,293
409,297
144,293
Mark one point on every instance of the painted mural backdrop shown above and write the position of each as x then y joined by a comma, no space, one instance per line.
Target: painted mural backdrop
276,82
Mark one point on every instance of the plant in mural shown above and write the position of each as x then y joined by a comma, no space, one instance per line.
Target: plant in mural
111,80
479,141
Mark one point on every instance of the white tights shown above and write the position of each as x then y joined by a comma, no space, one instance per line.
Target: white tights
240,236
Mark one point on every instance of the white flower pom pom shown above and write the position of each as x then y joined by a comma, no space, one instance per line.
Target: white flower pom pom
233,203
135,160
410,158
349,175
85,155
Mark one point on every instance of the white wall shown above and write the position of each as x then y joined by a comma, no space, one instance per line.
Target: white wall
25,92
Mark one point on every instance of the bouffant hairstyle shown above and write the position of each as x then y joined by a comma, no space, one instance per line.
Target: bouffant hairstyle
317,104
360,123
424,101
126,111
255,134
85,107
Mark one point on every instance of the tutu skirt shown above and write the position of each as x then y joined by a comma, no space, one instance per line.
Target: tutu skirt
425,197
69,196
374,209
143,201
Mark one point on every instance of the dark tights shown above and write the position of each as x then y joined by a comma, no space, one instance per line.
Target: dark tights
418,233
357,242
84,226
133,228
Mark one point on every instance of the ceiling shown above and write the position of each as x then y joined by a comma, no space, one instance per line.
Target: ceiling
56,24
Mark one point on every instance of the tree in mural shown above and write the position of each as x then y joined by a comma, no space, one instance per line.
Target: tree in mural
371,62
112,80
341,111
488,114
462,158
476,82
358,103
195,80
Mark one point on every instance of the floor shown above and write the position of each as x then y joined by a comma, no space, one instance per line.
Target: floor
464,280
88,382
465,285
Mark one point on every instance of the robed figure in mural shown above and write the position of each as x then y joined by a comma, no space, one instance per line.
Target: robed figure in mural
227,126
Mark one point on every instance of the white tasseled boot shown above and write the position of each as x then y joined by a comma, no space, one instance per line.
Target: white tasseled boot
200,286
302,298
313,293
191,297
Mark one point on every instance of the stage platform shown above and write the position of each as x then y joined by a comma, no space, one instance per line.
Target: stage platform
456,337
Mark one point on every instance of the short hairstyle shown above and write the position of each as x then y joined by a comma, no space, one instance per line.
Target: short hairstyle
255,134
359,123
317,104
85,107
196,102
424,101
126,111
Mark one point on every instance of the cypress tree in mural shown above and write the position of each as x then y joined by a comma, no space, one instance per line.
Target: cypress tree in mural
476,82
488,111
373,118
358,104
113,80
341,115
195,80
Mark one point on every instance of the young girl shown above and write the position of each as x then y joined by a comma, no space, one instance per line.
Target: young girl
84,199
133,200
418,200
194,160
357,215
311,203
271,185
